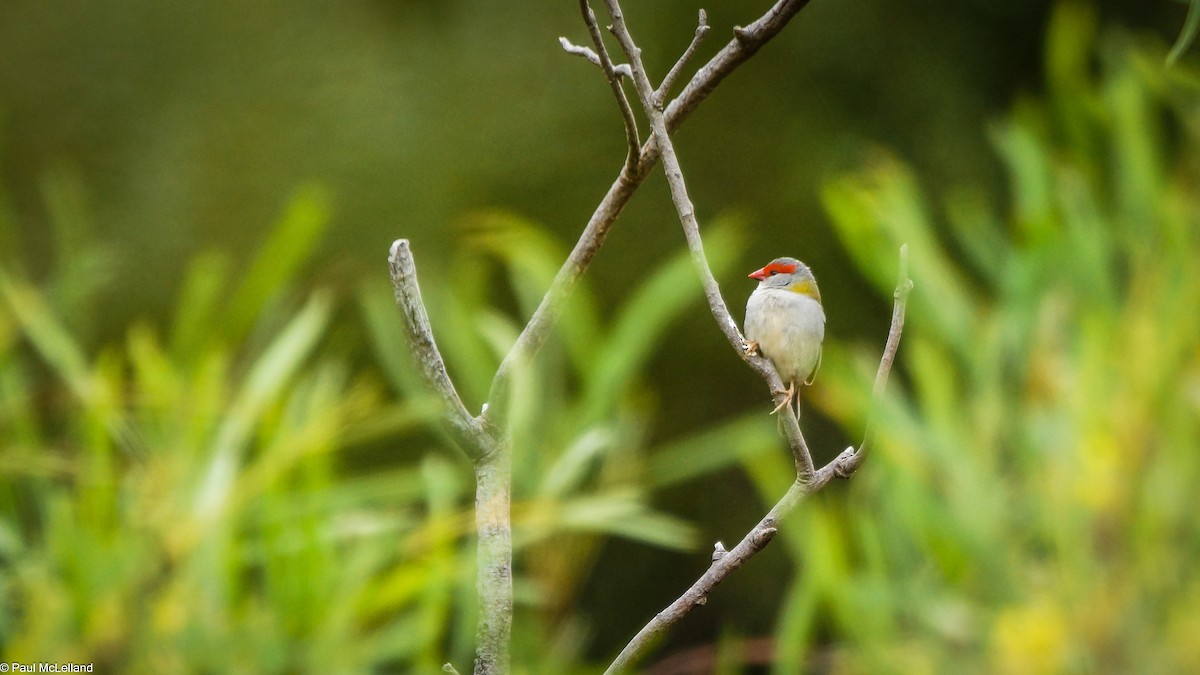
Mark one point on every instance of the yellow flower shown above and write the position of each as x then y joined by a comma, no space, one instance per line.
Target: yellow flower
1030,639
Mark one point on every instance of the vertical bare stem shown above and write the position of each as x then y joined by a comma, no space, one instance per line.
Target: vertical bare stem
493,478
492,457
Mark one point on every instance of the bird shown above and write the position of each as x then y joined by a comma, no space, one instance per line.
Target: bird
786,323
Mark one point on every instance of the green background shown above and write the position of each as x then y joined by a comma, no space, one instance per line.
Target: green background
214,454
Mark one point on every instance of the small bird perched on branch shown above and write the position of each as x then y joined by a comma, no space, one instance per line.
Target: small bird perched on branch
785,322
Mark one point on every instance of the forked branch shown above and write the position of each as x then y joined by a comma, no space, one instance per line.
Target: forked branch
632,138
660,94
489,451
691,228
481,437
746,42
725,562
807,478
467,431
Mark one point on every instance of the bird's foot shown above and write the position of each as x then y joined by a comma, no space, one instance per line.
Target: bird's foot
752,348
791,393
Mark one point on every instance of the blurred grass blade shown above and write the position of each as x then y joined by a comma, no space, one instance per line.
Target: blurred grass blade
1030,176
391,421
878,209
456,302
572,466
1137,146
1191,25
288,246
532,259
59,349
531,256
646,316
267,378
387,333
47,335
199,303
979,233
81,266
712,449
655,529
622,513
443,486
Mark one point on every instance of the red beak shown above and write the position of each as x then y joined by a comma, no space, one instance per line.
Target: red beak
759,274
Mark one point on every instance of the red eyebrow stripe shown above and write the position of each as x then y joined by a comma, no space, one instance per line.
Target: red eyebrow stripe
782,268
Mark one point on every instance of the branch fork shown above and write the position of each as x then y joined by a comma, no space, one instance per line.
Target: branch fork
481,437
702,29
470,433
808,479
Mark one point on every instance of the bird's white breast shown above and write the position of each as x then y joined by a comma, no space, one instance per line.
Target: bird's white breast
788,328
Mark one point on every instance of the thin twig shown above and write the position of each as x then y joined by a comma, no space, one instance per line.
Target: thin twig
621,69
762,534
683,204
722,566
904,286
633,155
468,432
703,83
745,43
846,463
538,328
660,94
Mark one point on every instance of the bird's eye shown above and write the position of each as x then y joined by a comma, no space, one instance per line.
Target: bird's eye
772,273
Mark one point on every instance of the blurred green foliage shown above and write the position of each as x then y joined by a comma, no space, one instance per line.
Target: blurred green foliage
1030,507
177,503
255,480
580,419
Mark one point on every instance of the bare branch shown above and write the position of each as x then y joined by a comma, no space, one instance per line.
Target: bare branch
633,155
493,471
538,328
701,85
904,286
691,229
470,433
478,436
579,50
725,562
493,574
846,463
660,94
621,69
746,43
683,204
